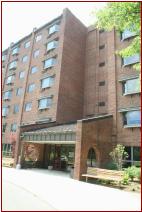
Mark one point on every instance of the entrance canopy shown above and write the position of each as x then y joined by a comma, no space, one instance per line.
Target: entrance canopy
61,134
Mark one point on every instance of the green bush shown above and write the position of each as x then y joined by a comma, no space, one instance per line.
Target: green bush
111,166
138,174
126,179
132,172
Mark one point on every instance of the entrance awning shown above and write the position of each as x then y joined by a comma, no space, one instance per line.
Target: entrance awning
61,134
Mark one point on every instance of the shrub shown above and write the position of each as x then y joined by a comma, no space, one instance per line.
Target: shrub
132,172
138,174
126,179
111,166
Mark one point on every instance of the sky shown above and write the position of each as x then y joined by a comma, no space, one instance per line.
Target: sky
19,18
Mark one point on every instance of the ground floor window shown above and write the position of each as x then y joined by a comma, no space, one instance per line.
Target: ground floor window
6,150
91,158
133,156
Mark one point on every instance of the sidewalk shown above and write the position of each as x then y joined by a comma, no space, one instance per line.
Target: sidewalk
64,193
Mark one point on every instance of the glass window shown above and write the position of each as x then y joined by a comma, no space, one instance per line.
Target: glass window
34,69
7,95
127,34
101,103
31,87
54,28
102,83
19,91
27,44
38,38
4,111
131,59
47,82
13,65
9,79
134,157
36,53
3,57
132,86
21,74
16,109
45,103
15,51
28,106
4,127
13,127
49,63
24,59
132,117
91,158
52,45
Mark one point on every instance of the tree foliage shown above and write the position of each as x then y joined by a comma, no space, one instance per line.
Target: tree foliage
121,16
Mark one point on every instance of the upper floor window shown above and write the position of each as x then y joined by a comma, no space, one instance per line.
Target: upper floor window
132,118
13,127
4,111
52,45
15,51
21,74
102,83
9,79
45,103
131,59
49,62
127,34
7,95
13,65
28,106
24,59
38,38
36,53
19,91
47,82
27,44
101,104
101,64
3,57
31,87
54,28
34,69
131,86
16,109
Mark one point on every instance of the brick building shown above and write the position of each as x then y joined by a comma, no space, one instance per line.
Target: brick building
68,99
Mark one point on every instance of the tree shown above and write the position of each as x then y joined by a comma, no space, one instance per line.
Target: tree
118,155
122,15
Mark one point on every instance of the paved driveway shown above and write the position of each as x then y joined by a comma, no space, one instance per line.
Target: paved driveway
53,190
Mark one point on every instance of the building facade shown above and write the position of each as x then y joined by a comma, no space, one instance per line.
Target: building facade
68,99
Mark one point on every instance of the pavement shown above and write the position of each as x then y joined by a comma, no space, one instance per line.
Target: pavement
48,190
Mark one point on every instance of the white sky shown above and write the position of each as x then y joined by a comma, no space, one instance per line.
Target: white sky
19,18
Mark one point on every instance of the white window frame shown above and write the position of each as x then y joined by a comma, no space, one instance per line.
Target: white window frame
52,45
7,95
50,82
9,79
33,68
28,106
15,51
21,73
127,34
38,38
136,89
4,111
53,62
32,87
47,104
23,58
54,28
36,53
137,60
27,44
13,65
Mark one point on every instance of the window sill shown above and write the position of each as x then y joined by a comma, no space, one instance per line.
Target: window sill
138,92
42,89
41,109
132,126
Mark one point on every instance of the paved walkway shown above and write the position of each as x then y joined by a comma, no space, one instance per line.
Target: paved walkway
53,190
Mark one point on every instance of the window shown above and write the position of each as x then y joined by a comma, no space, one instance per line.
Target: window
31,87
16,109
28,106
127,34
24,59
19,91
15,51
38,38
131,59
132,118
7,149
9,79
7,95
47,82
4,111
3,57
101,64
101,103
134,157
13,127
34,69
102,46
4,127
21,74
52,45
36,53
52,29
102,83
13,65
131,86
27,44
91,158
45,103
49,63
